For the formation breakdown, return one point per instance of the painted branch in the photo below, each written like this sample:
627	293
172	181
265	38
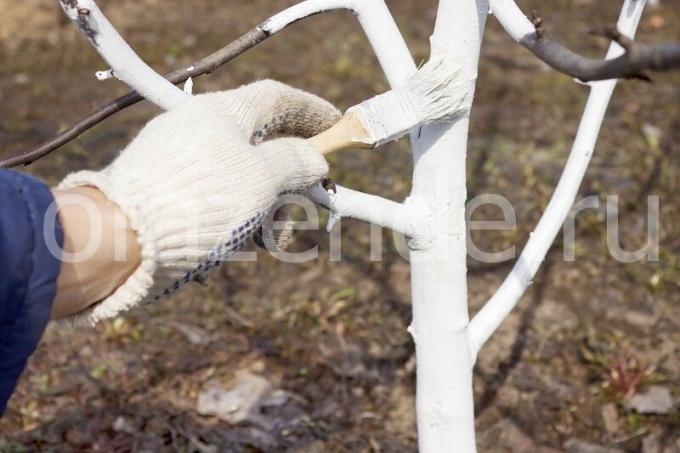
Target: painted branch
124	62
515	285
511	18
403	218
388	44
632	64
303	10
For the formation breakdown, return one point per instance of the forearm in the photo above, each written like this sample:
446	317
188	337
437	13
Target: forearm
100	250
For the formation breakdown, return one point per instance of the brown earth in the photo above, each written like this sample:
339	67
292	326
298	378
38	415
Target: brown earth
330	337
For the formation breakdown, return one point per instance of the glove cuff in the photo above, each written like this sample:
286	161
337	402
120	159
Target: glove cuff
139	284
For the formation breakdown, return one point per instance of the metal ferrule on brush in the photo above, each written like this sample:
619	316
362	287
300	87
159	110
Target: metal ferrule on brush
387	117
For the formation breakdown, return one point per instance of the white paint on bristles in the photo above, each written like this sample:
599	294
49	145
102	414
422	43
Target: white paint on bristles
438	92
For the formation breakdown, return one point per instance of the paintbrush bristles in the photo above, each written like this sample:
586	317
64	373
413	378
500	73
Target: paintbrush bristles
437	92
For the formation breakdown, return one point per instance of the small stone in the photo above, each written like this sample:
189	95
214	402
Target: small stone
610	417
506	434
233	408
656	400
22	78
508	396
195	335
121	424
640	319
574	445
237	403
554	316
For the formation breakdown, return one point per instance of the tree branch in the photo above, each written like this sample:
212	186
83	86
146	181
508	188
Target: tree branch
633	64
196	69
406	218
631	61
125	63
500	305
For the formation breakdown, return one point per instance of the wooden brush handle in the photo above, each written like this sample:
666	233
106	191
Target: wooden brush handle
347	133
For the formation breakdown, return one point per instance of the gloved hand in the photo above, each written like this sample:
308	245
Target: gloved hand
195	187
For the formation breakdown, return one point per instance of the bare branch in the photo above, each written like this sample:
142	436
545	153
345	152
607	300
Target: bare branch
633	64
537	22
613	33
196	69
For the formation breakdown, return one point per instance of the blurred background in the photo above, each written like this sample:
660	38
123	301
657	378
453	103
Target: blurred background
315	357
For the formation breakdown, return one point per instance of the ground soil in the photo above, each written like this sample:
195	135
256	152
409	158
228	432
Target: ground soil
330	335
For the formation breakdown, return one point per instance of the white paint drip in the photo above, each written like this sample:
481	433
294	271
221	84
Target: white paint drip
104	75
189	86
333	219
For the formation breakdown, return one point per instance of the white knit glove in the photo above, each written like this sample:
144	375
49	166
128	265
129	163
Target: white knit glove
195	187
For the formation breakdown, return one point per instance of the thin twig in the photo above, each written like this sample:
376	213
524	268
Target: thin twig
537	21
613	33
200	67
633	64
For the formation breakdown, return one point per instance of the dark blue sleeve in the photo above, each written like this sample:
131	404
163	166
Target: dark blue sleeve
28	272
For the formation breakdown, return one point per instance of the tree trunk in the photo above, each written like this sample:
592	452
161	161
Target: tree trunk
444	360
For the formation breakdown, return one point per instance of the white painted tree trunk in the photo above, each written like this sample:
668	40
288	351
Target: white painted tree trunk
444	361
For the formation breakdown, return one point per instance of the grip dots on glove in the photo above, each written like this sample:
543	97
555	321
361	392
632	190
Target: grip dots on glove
267	129
239	236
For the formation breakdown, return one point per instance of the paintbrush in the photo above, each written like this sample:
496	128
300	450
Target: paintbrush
435	93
